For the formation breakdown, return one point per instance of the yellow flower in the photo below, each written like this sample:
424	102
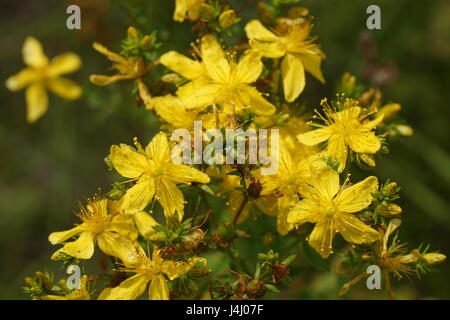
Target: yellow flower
129	68
149	271
343	129
189	9
218	79
298	50
42	74
113	233
331	208
77	294
155	175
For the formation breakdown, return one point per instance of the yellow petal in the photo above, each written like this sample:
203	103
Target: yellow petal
129	163
249	67
389	110
123	224
170	198
145	95
256	101
64	63
158	149
337	149
312	63
272	50
213	58
186	67
109	54
37	101
283	226
65	88
358	196
145	223
139	196
33	54
61	236
116	245
199	93
82	248
180	173
130	289
323	185
304	211
354	230
101	80
365	142
314	137
255	30
172	110
293	74
159	290
21	79
321	238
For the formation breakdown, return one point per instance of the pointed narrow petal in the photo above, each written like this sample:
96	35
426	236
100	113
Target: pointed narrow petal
37	101
102	80
181	173
313	137
61	236
64	63
337	149
358	196
159	290
114	57
139	196
170	198
272	50
293	74
186	67
175	269
321	238
130	289
312	65
354	230
65	88
21	79
33	54
127	162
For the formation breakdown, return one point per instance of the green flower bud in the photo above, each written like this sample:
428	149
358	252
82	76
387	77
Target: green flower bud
227	19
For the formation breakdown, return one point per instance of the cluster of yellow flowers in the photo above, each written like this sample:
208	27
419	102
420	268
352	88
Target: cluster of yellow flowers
224	87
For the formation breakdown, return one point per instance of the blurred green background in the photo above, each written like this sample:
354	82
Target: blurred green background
47	167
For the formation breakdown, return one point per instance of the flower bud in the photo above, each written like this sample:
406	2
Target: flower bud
433	258
199	272
132	32
227	19
389	211
265	13
207	12
405	130
226	231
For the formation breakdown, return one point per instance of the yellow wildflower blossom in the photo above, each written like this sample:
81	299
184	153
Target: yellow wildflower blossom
172	110
189	9
155	175
331	208
218	79
343	129
298	50
42	74
149	270
113	233
129	68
